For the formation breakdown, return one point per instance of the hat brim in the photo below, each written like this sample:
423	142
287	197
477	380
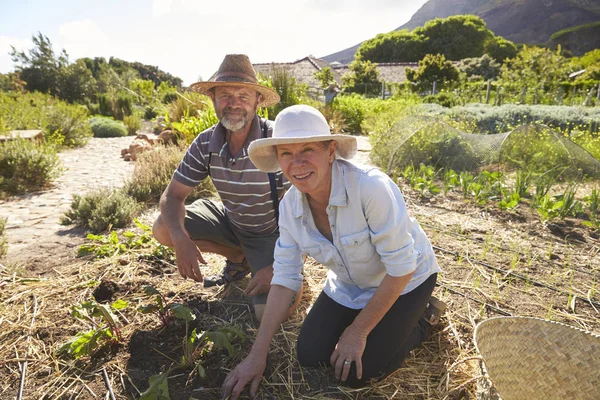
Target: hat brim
270	96
263	155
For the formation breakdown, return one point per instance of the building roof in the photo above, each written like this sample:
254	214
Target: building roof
303	70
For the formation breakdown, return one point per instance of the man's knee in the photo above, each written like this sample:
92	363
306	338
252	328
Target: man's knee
160	232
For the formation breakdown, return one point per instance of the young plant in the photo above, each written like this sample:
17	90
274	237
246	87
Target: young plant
548	208
522	183
511	202
569	205
451	180
105	328
161	307
466	179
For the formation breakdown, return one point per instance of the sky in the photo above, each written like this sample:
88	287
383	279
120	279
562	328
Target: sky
189	38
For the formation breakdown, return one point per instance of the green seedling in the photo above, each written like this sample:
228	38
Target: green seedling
548	208
451	180
105	328
511	202
161	307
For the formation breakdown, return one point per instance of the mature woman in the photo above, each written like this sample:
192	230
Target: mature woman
375	306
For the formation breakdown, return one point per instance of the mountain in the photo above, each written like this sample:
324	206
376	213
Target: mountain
520	21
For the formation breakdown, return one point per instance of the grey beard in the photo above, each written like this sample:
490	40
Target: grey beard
233	126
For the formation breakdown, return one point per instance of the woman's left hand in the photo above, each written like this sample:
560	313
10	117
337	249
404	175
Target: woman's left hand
349	349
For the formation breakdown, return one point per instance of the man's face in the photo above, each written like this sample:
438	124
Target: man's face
235	106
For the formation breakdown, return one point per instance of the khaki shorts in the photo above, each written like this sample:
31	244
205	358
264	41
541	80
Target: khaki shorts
206	220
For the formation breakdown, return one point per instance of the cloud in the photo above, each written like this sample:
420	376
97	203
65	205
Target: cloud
161	7
6	63
83	38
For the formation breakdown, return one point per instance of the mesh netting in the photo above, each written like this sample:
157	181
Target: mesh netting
533	148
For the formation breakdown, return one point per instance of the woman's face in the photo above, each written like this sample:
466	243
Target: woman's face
308	166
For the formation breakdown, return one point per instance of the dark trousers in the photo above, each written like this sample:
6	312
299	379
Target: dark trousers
399	331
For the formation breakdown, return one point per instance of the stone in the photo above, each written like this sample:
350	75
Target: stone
166	136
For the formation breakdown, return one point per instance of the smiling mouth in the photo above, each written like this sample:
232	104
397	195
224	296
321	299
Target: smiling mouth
302	176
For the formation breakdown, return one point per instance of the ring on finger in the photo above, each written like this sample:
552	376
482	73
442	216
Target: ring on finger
346	362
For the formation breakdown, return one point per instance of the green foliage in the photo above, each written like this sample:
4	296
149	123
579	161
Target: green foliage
3	237
548	207
455	37
146	72
479	68
105	328
153	172
395	46
26	165
61	123
290	91
444	99
363	78
101	210
76	83
421	179
188	104
116	104
578	39
500	49
510	202
107	127
40	68
158	388
325	77
161	307
433	68
144	89
132	123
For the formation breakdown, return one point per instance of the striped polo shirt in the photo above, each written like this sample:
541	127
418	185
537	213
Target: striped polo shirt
243	188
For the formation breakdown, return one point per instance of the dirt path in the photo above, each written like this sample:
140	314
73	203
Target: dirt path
33	219
34	232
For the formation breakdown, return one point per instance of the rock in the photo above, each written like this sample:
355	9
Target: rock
138	147
166	136
127	157
124	152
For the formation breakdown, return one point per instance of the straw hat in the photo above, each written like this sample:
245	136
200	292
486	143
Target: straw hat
236	70
297	124
535	359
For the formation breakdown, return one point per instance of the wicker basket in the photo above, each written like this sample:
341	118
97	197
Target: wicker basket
531	358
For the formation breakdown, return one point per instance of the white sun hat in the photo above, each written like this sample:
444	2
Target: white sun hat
298	124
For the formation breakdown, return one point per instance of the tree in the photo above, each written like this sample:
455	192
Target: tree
479	68
433	68
396	46
500	49
535	68
76	83
325	77
363	78
456	37
41	68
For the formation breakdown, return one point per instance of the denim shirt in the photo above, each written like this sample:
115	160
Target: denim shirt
372	236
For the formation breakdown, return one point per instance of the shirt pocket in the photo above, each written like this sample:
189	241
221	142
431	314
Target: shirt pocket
358	246
313	252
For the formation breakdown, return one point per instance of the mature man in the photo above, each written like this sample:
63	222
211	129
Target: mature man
244	227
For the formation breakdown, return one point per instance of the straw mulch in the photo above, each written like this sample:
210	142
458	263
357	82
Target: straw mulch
35	319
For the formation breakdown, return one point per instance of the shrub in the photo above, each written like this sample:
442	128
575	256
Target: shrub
101	210
132	123
107	127
153	171
189	104
26	165
66	124
444	99
3	238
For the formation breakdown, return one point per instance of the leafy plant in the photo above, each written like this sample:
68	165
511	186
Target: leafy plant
105	328
107	127
511	202
548	208
101	210
451	180
132	123
569	204
26	165
161	307
466	179
103	246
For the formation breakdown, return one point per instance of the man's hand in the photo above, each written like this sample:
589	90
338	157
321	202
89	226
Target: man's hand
260	282
249	370
187	256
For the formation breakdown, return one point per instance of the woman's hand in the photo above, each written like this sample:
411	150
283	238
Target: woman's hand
349	349
249	370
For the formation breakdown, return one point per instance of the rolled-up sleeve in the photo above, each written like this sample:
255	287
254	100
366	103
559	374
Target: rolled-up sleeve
385	211
287	267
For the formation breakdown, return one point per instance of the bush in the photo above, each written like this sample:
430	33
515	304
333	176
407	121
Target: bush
153	171
132	123
188	105
444	99
107	127
101	210
63	123
3	238
26	166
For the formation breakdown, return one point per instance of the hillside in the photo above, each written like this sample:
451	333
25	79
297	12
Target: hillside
520	21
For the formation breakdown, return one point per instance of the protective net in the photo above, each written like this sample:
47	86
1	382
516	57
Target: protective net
532	148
